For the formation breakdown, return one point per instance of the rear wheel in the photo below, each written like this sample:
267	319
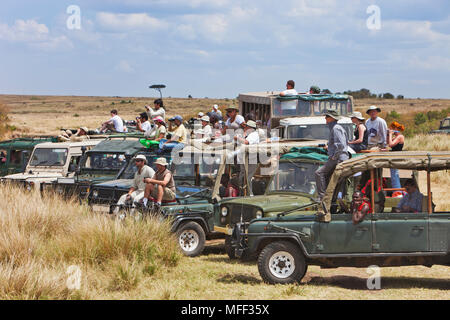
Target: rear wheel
191	239
281	262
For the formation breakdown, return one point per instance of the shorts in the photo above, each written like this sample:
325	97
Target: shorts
168	195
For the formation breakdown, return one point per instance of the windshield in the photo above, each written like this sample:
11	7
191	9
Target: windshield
295	107
104	161
294	176
446	123
49	157
315	131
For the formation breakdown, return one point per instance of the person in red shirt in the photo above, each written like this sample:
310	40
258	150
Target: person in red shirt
359	207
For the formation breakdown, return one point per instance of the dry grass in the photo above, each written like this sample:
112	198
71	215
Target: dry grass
428	142
41	237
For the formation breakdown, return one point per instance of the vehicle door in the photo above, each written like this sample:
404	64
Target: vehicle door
340	235
400	232
3	162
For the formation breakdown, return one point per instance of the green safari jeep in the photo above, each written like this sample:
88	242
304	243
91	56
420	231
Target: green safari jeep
287	243
14	154
444	127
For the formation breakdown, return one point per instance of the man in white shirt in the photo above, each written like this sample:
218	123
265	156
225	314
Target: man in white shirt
115	124
289	107
216	110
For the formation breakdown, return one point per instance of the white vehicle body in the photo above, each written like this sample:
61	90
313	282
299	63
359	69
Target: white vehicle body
311	128
50	161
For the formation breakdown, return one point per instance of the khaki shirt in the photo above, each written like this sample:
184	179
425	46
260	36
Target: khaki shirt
160	177
181	133
138	181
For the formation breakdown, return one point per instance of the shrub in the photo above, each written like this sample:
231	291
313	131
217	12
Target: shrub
420	118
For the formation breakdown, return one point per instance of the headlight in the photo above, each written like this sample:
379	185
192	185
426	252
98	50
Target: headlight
224	211
259	214
95	194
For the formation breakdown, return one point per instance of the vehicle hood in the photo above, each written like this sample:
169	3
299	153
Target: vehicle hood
34	175
120	183
271	203
95	178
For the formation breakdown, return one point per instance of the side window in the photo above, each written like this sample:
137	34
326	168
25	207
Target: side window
74	161
16	157
3	157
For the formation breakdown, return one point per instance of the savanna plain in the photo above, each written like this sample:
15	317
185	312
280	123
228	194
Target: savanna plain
42	237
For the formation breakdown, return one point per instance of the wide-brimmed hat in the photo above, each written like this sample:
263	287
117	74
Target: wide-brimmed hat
85	129
373	108
161	161
141	157
232	108
200	114
333	114
357	115
205	118
315	89
251	124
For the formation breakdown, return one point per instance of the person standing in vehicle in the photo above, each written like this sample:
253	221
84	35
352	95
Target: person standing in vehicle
396	141
158	111
137	190
376	128
289	107
142	123
337	152
234	122
361	135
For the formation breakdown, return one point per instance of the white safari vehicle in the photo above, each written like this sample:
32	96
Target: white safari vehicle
311	128
50	161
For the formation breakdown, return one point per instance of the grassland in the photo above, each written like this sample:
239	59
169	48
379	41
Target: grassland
40	238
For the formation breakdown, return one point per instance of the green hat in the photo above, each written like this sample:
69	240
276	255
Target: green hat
315	89
333	114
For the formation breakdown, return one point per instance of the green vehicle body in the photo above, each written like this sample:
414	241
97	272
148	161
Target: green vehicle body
102	163
444	127
286	244
16	153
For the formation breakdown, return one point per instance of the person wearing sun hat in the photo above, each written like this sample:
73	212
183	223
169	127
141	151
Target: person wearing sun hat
161	185
179	135
137	190
396	141
376	128
337	151
361	135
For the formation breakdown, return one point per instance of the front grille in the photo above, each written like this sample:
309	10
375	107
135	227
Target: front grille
106	195
248	213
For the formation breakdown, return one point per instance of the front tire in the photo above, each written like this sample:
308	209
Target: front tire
281	262
191	239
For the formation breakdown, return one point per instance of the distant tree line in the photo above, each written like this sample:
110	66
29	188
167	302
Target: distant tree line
366	94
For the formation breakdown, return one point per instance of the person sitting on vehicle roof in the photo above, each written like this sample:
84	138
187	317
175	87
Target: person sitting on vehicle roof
205	133
158	111
234	122
80	135
142	123
412	201
314	90
179	136
337	152
361	134
159	131
115	124
160	187
216	110
359	207
137	190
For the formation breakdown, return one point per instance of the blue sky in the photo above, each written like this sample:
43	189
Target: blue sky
220	48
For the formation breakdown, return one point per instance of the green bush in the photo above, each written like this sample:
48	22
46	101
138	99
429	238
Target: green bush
420	118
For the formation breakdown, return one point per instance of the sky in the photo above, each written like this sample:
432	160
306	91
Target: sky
220	48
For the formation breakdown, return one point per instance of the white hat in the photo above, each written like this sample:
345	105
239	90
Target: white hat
141	157
216	106
85	129
200	114
357	115
251	124
205	118
161	161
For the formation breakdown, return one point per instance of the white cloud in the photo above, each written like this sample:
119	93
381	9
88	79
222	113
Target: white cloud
130	22
34	34
124	66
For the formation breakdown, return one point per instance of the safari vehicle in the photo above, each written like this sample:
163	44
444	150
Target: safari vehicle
444	127
271	106
50	161
286	244
14	154
101	163
311	128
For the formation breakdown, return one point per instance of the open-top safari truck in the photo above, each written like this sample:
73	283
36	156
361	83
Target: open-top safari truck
287	243
444	127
